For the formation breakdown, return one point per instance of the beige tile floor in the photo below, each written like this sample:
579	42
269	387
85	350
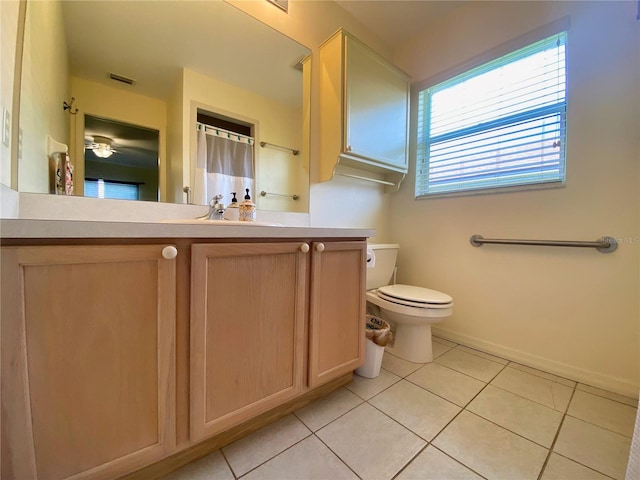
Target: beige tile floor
467	415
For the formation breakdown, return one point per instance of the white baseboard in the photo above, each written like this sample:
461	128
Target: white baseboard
613	384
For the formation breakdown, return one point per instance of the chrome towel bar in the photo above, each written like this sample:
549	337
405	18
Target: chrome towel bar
295	196
604	244
273	145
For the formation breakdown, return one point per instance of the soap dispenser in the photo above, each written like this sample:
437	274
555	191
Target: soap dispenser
233	210
247	209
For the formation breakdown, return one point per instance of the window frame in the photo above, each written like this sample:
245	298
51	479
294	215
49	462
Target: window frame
558	27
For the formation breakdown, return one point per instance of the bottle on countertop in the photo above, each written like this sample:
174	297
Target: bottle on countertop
233	210
247	209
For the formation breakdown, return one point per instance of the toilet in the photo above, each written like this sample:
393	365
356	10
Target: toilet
410	310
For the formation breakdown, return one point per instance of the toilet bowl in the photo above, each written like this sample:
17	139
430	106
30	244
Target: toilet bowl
410	310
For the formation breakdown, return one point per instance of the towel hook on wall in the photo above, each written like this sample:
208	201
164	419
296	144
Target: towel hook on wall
69	106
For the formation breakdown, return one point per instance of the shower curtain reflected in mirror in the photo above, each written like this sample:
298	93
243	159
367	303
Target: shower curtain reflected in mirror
224	164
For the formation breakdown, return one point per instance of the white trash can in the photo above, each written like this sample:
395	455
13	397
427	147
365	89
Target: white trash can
372	360
378	333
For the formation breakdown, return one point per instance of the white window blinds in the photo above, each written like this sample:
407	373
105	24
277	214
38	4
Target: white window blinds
501	124
106	189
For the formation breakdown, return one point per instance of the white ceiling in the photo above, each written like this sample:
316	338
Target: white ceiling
151	41
396	21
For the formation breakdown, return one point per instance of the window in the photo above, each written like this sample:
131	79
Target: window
107	189
501	124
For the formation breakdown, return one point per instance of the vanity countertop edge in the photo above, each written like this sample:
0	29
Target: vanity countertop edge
29	228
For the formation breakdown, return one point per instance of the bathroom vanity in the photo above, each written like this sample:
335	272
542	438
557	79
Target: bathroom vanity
133	348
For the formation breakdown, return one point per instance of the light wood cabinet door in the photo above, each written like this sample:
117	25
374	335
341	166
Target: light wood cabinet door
337	313
87	360
247	331
376	107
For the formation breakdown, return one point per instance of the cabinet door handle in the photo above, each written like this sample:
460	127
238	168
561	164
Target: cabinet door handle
170	252
304	248
320	247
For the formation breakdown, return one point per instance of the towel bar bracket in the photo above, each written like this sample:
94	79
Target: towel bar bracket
604	244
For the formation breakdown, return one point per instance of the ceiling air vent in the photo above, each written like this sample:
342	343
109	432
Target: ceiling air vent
120	78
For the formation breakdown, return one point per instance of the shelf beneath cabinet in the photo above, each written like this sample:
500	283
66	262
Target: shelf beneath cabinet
363	169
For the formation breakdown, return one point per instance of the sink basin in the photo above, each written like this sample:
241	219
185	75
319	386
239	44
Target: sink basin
234	223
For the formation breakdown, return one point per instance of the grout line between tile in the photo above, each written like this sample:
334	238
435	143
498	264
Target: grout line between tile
509	430
476	352
502	367
440	396
337	456
466	374
605	397
458	461
599	426
534	401
462	409
534	370
396	421
555	438
378	393
228	464
585	466
409	462
272	457
340	416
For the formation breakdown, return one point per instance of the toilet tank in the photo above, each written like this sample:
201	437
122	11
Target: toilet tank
385	261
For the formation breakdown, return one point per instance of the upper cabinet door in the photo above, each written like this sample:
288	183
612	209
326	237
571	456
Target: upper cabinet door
87	360
337	315
376	107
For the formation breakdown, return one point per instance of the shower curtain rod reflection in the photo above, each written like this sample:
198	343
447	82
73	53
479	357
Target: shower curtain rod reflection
273	145
221	132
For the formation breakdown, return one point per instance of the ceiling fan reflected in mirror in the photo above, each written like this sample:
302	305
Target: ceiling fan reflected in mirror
101	146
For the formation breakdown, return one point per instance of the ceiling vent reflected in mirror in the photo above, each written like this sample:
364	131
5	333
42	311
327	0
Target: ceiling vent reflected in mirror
121	79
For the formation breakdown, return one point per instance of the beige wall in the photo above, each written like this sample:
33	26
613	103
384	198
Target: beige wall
44	87
111	103
570	311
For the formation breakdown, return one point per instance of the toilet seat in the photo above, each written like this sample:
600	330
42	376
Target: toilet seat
413	296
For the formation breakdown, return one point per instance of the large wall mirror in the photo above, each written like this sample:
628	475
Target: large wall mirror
154	66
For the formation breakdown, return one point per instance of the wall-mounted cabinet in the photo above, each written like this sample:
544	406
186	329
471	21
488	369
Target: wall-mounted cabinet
364	113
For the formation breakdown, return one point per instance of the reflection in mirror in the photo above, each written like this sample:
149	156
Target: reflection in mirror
120	160
155	64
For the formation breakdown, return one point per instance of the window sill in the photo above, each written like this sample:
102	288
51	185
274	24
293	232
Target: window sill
492	191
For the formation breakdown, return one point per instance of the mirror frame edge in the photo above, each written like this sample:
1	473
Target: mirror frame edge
16	94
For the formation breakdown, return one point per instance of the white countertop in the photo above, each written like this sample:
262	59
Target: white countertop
25	229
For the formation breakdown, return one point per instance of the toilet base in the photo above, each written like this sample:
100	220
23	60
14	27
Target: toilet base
412	343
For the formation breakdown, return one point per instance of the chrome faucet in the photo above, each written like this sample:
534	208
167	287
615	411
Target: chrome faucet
216	209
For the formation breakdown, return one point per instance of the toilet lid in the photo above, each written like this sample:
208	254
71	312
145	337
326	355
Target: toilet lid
414	296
